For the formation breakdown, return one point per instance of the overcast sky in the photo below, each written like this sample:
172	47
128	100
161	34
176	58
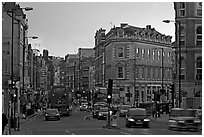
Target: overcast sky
63	27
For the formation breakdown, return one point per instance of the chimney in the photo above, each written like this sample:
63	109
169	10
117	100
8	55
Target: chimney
148	26
123	24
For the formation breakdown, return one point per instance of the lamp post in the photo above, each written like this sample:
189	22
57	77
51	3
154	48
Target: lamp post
179	48
12	10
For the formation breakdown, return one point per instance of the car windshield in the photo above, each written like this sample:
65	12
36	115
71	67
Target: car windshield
184	113
104	109
137	112
52	111
125	107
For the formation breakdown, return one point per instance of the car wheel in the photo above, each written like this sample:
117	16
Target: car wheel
45	119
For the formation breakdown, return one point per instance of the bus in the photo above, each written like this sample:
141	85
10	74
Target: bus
60	97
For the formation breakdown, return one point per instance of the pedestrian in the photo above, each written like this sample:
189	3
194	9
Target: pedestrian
4	122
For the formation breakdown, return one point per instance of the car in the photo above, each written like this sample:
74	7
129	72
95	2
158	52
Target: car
103	113
180	118
52	114
96	108
83	107
137	117
123	110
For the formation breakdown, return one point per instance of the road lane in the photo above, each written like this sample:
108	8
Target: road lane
76	125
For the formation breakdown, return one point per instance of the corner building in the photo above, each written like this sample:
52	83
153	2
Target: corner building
133	59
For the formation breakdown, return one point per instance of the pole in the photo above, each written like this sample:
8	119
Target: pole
134	70
12	33
179	76
162	77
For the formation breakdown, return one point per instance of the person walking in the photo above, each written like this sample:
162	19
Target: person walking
4	122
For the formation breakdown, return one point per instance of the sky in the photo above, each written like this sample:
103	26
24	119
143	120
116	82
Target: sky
64	27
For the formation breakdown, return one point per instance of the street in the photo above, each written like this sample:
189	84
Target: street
77	125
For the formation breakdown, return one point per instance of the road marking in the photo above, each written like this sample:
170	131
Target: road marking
69	132
125	133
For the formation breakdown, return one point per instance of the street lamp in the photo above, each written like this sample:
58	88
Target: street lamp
12	10
179	46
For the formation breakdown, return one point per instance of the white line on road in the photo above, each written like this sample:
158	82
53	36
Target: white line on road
125	133
69	132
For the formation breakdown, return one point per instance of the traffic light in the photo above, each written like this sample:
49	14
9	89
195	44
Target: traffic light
172	88
109	91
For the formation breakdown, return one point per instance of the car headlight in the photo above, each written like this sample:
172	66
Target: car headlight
173	121
100	114
197	121
130	119
46	114
181	121
146	119
57	114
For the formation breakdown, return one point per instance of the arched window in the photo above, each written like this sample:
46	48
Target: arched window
199	68
199	36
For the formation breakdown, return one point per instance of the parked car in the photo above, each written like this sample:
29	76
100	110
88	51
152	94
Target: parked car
137	117
180	118
52	114
123	110
83	107
103	113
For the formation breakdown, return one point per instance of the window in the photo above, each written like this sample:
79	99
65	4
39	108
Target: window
143	53
199	68
159	73
198	8
183	35
182	10
143	72
120	52
148	72
154	73
159	55
148	53
199	36
120	72
137	72
137	53
183	68
153	54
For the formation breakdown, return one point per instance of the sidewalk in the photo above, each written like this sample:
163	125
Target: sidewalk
22	131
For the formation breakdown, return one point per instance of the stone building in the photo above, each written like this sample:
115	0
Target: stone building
133	59
188	16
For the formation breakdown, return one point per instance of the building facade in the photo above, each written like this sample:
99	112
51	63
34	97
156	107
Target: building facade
188	16
133	59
